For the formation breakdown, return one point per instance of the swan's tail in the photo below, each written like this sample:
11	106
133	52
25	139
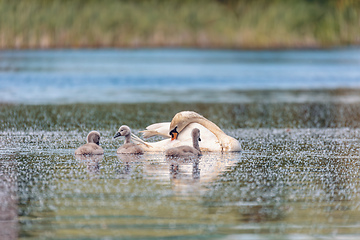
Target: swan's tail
138	140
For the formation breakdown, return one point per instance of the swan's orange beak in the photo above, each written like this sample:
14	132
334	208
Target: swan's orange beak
174	136
174	133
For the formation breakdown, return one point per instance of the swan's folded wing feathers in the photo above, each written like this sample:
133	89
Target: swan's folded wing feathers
155	126
138	140
157	129
150	133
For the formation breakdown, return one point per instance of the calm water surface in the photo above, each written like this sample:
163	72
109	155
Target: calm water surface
287	184
297	178
158	75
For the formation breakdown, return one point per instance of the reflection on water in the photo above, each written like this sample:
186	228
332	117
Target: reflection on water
92	162
287	184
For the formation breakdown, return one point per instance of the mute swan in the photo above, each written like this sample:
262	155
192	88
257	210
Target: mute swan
128	147
187	151
92	146
178	133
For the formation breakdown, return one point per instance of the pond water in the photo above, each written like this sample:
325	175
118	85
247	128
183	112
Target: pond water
287	184
163	75
296	114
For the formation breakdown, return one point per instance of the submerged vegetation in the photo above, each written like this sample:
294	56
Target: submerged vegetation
177	23
228	116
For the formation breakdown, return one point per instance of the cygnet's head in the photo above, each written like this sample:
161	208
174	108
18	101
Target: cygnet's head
195	134
93	137
123	131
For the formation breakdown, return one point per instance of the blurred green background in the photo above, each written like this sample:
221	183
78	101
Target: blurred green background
246	24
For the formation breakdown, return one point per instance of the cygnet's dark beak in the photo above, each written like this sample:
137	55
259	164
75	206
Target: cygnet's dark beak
118	134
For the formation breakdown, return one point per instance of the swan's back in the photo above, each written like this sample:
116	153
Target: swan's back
130	148
89	149
182	151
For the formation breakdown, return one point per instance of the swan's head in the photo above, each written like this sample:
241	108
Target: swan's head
93	137
174	133
123	131
181	120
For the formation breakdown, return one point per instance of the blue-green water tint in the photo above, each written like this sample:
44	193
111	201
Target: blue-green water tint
287	184
297	178
185	75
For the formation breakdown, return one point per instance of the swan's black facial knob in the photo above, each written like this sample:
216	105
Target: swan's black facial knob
174	133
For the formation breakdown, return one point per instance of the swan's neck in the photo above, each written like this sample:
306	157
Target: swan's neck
196	143
128	138
212	127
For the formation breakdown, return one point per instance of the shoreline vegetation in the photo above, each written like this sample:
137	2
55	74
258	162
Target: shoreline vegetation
237	24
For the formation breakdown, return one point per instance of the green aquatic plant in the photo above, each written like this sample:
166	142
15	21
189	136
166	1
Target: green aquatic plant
107	117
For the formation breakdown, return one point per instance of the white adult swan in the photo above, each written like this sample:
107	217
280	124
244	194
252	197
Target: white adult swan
92	146
178	133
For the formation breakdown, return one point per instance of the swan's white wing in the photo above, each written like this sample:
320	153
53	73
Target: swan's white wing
157	129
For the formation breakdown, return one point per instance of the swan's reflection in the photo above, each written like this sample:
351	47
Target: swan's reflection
184	175
189	176
92	162
177	172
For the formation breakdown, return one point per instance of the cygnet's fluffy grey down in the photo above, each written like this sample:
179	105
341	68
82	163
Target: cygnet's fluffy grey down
92	146
187	151
128	147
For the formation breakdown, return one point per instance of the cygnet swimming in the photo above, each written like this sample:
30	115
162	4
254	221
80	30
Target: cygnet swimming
128	147
92	146
187	151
